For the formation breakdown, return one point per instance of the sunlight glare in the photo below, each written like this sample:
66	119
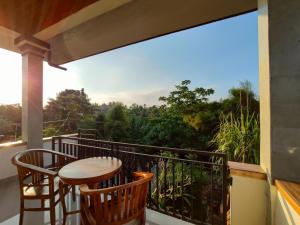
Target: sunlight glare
11	77
54	80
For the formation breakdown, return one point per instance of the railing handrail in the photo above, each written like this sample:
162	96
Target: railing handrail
148	155
174	150
175	175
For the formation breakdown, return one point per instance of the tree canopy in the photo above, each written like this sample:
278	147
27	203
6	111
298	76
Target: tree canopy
187	118
69	105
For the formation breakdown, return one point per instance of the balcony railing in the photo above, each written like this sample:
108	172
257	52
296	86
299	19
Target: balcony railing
188	184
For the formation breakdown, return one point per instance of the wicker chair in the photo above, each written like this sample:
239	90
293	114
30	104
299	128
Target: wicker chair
38	178
116	205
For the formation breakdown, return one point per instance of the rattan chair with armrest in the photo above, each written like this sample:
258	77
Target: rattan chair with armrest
116	205
38	178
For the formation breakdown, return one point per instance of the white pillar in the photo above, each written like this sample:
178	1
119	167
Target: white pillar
33	52
279	81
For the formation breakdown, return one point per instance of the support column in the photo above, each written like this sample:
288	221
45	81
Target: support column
279	80
33	52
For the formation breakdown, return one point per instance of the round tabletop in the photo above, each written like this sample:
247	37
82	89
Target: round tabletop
90	170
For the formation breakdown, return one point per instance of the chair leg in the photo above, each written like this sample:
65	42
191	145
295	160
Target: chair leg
52	211
62	200
21	212
143	218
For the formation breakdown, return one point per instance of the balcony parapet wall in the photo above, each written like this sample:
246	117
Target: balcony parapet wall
254	200
7	150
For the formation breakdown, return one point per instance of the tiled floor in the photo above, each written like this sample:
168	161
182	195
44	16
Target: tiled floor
9	210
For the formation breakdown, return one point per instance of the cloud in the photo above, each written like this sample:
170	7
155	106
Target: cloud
148	97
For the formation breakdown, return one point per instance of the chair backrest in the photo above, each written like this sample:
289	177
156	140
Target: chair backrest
115	205
34	164
27	163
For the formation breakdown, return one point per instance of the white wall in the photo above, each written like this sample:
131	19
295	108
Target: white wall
248	202
7	169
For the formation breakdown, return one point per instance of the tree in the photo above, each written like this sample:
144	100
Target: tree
10	122
117	123
69	105
238	129
87	122
170	130
191	104
11	113
241	98
100	125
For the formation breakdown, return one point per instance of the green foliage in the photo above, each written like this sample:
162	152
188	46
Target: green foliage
240	99
69	105
10	122
87	122
176	181
169	130
50	132
238	137
117	123
11	113
185	100
100	124
191	104
185	120
238	133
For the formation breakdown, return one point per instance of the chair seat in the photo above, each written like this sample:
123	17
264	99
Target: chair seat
42	189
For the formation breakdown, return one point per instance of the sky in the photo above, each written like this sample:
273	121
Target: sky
217	55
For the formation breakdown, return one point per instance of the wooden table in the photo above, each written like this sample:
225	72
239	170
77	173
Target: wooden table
86	171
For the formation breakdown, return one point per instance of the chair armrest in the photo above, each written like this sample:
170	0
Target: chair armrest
37	169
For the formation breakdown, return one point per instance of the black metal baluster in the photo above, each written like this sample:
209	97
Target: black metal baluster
173	185
150	186
211	194
76	150
225	189
59	144
53	144
157	184
182	190
72	150
136	157
165	183
192	199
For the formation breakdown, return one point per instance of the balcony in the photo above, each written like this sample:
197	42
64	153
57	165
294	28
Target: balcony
249	185
186	189
9	208
263	194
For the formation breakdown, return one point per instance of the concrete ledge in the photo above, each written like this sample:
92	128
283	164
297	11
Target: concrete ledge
290	192
12	144
247	170
20	143
7	150
64	135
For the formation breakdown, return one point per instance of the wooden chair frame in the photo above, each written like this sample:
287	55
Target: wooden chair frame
115	205
34	175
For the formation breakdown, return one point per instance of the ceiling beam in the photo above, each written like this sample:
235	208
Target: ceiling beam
140	20
93	10
7	39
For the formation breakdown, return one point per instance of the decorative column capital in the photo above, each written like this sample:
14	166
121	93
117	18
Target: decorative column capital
31	45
